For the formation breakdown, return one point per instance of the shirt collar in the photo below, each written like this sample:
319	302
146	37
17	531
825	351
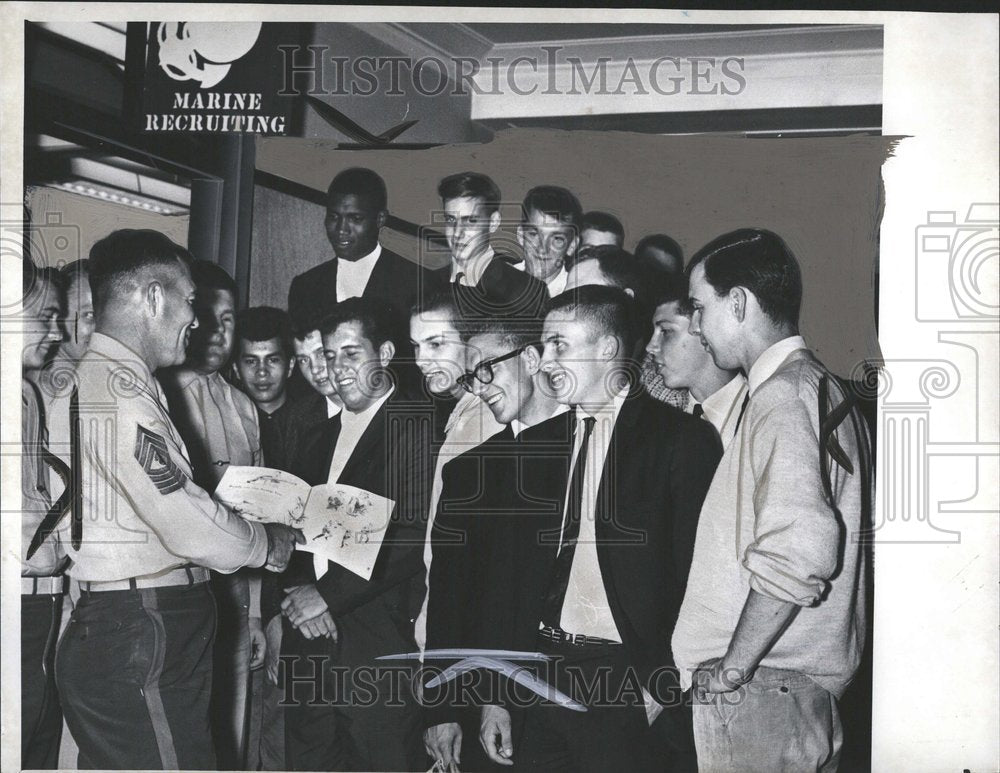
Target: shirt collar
365	416
615	406
474	268
332	408
362	264
103	345
770	360
718	405
557	282
517	426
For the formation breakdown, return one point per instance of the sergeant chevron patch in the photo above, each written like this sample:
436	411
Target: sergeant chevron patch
151	452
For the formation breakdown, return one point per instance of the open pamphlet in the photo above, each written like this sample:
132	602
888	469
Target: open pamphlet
341	523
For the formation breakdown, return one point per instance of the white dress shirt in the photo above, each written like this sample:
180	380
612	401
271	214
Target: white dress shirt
770	360
555	283
722	408
353	275
585	608
352	427
332	408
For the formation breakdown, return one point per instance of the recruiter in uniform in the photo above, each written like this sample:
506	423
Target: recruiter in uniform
134	666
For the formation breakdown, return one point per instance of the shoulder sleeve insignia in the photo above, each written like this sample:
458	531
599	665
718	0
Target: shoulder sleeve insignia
152	453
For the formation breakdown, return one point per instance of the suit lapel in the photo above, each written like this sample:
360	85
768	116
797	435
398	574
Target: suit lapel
366	451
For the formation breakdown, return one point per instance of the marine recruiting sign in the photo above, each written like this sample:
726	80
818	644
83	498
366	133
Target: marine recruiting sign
210	77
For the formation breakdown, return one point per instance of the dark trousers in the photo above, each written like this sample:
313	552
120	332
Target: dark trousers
343	709
613	734
134	670
41	717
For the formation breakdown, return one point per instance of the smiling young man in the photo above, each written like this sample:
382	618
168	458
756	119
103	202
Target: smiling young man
483	528
773	623
471	208
640	470
338	622
356	212
683	363
549	234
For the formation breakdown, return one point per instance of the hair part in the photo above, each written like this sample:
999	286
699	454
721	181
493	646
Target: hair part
759	261
472	185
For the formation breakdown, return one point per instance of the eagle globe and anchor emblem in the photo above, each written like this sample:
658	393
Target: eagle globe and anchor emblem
204	51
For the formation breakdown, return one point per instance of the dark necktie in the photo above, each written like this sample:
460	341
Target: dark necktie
459	277
697	411
571	532
746	401
71	500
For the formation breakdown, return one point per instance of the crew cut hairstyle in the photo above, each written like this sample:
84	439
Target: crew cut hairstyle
673	288
118	261
207	275
361	182
553	201
373	316
471	185
608	309
660	242
760	261
511	332
262	323
603	221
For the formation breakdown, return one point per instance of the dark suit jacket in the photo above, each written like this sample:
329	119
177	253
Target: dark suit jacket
658	469
502	290
392	459
394	279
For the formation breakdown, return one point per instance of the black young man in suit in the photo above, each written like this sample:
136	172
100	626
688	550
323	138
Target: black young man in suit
365	719
621	558
356	211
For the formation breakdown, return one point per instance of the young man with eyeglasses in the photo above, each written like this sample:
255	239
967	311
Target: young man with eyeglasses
491	497
620	552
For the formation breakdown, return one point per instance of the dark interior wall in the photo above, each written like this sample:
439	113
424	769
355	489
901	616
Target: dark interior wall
822	195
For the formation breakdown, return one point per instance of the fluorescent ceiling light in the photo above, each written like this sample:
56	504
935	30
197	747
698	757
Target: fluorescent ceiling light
95	190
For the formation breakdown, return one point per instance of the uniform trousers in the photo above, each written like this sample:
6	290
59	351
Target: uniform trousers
41	717
134	670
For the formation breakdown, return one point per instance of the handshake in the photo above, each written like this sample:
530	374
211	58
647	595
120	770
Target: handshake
281	541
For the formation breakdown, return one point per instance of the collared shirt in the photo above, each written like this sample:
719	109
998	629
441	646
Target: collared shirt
473	270
352	427
722	408
585	608
218	422
517	426
332	408
37	493
766	525
770	360
555	283
142	513
470	424
353	275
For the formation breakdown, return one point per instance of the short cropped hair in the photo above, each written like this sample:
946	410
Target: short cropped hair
471	185
660	242
760	261
510	332
608	309
361	182
262	323
119	259
555	202
373	316
603	221
617	265
75	271
673	288
207	275
441	302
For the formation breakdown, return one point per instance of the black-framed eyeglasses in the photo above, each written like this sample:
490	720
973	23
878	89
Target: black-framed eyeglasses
483	372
